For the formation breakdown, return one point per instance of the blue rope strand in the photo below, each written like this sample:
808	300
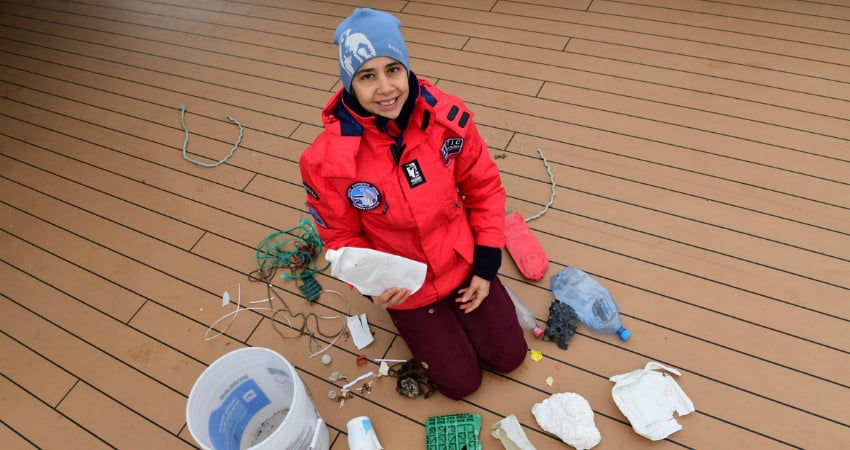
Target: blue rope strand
186	141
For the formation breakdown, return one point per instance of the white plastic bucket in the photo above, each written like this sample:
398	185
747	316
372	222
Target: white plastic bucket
252	398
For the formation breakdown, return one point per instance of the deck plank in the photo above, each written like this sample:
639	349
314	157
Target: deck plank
728	204
12	439
628	133
674	37
738	18
114	423
36	425
32	373
139	394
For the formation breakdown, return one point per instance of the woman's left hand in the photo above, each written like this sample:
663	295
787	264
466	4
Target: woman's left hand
472	296
392	297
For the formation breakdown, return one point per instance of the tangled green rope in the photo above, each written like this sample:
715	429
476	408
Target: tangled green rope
295	249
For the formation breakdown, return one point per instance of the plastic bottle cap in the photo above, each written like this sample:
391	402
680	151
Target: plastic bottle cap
326	359
624	334
538	332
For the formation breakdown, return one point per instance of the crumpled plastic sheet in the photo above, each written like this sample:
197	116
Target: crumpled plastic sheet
648	398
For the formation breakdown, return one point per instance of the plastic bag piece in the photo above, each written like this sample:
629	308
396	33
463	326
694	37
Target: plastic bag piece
648	398
524	248
509	432
525	316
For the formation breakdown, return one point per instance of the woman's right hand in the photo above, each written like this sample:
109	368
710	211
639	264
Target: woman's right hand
392	297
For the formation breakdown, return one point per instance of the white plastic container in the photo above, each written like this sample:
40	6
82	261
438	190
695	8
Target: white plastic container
372	272
252	398
361	435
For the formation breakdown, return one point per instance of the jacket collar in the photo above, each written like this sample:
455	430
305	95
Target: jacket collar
342	121
354	119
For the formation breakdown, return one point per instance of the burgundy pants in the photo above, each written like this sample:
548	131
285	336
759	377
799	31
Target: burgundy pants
453	346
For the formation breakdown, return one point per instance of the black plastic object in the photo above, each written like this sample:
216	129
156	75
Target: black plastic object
561	324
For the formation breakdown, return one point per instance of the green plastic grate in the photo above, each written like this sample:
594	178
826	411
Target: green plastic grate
453	432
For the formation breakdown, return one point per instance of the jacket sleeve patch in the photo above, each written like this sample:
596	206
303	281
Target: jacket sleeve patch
451	147
310	191
316	217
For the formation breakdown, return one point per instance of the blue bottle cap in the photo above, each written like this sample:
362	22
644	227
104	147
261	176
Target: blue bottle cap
624	334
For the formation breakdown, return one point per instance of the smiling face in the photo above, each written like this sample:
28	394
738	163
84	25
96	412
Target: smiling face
380	85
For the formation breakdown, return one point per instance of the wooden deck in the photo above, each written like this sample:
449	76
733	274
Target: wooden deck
701	151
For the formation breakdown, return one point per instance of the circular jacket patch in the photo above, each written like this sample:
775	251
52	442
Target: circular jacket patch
364	196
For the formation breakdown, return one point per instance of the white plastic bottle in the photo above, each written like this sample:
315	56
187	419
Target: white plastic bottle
525	316
372	271
592	303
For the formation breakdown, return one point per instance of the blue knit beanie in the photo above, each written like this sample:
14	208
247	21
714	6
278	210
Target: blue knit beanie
366	34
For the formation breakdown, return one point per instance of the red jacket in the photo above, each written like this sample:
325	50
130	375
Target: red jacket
442	197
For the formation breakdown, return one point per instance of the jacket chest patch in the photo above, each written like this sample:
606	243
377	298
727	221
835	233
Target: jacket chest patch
451	147
413	173
364	196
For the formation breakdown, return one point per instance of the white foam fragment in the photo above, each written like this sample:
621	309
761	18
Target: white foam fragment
568	416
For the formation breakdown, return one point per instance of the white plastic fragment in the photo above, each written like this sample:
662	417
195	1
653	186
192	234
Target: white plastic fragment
509	432
648	398
358	379
384	369
568	416
225	299
360	332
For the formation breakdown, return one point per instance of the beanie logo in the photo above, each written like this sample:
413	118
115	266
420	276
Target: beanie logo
354	46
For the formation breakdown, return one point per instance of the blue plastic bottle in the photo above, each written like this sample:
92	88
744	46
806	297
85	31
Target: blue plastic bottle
592	303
